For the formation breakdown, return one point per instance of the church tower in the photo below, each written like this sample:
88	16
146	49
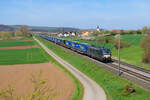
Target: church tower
97	29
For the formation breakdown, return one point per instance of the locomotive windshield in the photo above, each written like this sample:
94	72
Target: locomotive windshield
106	52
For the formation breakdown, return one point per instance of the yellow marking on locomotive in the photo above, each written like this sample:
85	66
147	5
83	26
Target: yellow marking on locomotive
81	47
73	44
67	43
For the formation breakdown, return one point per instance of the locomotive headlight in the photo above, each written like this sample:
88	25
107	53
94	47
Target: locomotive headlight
106	56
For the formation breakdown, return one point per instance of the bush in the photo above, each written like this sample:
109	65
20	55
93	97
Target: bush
123	44
18	33
146	56
5	35
107	40
128	90
145	44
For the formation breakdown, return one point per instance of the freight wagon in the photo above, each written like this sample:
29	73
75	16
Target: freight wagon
99	53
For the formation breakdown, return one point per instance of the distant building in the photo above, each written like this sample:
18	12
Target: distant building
66	34
60	34
86	32
73	33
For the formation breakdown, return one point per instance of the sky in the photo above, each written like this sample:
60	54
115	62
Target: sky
108	14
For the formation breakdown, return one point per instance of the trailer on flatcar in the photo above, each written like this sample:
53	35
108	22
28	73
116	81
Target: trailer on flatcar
99	53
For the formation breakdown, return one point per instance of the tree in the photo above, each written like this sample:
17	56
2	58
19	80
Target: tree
4	35
105	31
132	32
148	31
112	32
144	30
97	33
18	33
0	35
145	44
138	32
25	31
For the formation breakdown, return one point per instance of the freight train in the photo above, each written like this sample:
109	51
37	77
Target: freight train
99	53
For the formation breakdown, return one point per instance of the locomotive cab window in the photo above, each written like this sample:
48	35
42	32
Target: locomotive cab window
106	52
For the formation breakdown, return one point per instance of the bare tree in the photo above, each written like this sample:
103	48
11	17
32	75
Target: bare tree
4	35
144	30
145	44
25	30
18	33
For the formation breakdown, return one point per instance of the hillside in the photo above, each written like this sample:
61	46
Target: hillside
37	28
6	28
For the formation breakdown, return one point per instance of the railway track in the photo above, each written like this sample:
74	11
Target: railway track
133	66
133	73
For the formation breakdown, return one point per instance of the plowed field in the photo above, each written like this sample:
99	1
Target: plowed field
19	77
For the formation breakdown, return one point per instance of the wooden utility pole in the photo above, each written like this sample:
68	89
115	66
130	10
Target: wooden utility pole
119	73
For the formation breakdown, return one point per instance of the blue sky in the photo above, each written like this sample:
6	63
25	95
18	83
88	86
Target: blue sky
109	14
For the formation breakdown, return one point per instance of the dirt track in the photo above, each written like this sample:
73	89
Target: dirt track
18	47
19	76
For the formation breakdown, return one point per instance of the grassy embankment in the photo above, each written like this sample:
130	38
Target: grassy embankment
132	55
112	84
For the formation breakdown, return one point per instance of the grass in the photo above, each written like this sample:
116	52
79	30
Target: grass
23	56
133	39
15	43
26	38
78	92
15	39
133	54
20	56
112	84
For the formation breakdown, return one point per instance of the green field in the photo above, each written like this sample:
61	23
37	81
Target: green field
16	43
21	56
132	55
133	39
112	84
